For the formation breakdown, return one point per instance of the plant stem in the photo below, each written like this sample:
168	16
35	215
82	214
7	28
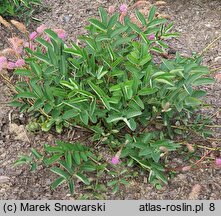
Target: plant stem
214	139
100	164
214	113
215	69
7	81
176	169
209	45
202	158
200	146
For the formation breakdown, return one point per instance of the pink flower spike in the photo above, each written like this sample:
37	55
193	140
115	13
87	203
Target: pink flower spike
3	62
115	160
123	8
218	161
47	38
41	29
33	35
151	37
16	44
19	63
3	59
30	46
111	9
61	33
11	65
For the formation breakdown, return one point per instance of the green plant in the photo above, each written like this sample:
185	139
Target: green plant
117	83
113	82
21	9
70	162
146	150
121	178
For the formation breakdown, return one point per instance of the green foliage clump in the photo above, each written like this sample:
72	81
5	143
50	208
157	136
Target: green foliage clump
118	82
73	158
21	9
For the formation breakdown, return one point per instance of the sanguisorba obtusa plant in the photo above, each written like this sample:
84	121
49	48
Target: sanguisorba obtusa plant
22	9
117	82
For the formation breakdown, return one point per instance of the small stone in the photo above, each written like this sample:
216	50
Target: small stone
66	18
145	180
218	77
1	170
4	179
218	59
160	3
48	182
208	25
214	145
19	131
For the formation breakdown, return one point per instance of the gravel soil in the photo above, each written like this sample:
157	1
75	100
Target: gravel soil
199	22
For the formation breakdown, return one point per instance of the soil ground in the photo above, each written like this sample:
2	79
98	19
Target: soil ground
199	22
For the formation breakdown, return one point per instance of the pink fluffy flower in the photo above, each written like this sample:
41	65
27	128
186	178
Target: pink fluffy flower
3	62
111	9
121	18
115	160
47	38
30	46
19	63
61	33
33	35
218	161
151	37
41	29
17	44
123	8
3	59
11	65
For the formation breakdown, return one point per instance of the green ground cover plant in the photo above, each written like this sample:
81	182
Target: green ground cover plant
18	8
118	85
